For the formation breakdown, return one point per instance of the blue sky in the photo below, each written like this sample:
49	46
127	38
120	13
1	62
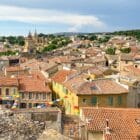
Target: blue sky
17	17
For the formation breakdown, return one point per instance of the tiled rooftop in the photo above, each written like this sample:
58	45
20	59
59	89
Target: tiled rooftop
35	82
132	70
14	68
122	122
101	86
62	75
77	83
7	81
31	84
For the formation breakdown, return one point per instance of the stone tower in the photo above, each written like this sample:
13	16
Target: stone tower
30	46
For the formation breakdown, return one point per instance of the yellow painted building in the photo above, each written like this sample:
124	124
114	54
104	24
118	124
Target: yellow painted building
99	93
9	93
68	99
8	90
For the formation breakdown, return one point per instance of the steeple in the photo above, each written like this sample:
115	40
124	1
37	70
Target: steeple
35	34
29	35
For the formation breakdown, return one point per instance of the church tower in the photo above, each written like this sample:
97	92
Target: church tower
30	46
35	37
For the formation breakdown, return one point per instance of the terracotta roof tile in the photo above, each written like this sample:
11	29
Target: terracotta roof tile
122	122
34	64
28	84
132	70
101	86
7	81
14	68
77	83
61	75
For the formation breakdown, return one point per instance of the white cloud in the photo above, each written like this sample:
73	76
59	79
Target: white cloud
28	15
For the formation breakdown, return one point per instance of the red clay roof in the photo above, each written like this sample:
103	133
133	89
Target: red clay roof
14	68
122	122
7	81
77	83
32	84
132	70
34	64
101	86
61	75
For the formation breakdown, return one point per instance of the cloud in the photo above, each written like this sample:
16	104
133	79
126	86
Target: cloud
42	16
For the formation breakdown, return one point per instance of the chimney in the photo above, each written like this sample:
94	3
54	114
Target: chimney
107	129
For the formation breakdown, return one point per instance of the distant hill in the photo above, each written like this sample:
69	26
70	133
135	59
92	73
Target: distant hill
134	33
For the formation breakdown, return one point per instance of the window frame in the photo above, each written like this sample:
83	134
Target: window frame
7	92
110	100
94	100
119	100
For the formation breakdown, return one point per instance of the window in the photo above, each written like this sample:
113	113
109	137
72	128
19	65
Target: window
65	90
23	95
0	91
30	105
37	96
7	91
110	100
94	100
119	100
30	95
40	95
44	95
14	91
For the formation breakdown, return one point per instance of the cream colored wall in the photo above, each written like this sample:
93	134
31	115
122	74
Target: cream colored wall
95	136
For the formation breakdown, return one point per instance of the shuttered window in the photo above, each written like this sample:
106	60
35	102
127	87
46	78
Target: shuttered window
94	100
119	100
65	90
7	91
110	100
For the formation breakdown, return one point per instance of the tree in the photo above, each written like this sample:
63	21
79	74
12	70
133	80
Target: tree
125	50
104	40
111	51
93	37
6	46
2	39
50	47
20	41
12	40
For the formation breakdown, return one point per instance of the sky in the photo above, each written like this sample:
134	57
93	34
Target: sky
18	17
